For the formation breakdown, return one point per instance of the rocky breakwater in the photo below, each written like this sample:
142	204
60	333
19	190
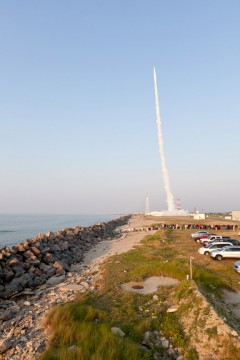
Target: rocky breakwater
45	257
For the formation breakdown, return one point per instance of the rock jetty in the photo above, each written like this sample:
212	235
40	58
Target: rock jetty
48	256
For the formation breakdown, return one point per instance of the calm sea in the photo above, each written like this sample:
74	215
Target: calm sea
16	228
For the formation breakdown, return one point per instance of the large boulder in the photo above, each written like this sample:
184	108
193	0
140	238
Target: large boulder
29	255
13	288
48	258
5	344
35	250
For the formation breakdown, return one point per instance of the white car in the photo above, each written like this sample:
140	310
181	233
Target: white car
210	238
226	252
236	266
214	238
213	246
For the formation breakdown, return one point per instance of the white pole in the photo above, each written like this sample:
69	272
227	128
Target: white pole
190	264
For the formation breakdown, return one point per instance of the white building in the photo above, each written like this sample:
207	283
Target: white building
236	215
228	217
199	216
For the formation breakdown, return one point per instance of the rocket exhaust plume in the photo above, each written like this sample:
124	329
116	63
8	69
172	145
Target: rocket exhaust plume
170	199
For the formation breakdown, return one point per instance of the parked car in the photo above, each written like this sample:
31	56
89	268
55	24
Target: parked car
203	236
213	237
233	241
236	266
223	239
226	252
198	233
213	246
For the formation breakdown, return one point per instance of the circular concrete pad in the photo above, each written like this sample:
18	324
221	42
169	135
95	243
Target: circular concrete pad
149	285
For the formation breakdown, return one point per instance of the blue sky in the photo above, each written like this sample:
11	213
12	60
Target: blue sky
77	112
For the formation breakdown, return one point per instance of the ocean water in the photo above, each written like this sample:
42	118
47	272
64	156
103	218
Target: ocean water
16	228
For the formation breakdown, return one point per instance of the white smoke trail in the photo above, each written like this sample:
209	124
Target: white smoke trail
170	199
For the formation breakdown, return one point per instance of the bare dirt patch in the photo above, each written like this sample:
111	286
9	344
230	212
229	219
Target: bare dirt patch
149	285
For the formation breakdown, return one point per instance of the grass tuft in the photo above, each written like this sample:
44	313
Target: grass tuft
81	332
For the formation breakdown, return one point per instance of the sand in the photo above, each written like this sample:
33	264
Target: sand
97	255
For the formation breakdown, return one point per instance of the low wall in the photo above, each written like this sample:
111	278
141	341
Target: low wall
32	262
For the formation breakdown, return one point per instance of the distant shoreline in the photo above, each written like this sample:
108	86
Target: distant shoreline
17	228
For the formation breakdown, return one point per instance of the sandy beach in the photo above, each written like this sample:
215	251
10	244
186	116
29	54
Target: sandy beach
126	242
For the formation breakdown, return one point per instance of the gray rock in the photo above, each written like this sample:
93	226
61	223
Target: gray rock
48	258
165	344
35	250
5	344
55	280
13	288
29	255
51	272
20	248
72	348
19	271
172	309
85	284
7	315
45	250
39	280
27	303
60	272
146	335
23	339
8	275
64	245
44	267
50	234
14	262
71	287
39	236
117	331
26	280
59	265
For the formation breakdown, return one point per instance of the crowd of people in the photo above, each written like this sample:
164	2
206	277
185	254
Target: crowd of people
212	227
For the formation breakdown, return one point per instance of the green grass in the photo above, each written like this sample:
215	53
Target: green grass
82	331
210	281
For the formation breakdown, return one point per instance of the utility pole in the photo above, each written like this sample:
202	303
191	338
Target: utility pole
190	265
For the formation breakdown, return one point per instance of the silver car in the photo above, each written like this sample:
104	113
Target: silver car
236	266
226	252
213	246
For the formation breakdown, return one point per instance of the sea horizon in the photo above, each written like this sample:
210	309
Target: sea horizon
15	228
